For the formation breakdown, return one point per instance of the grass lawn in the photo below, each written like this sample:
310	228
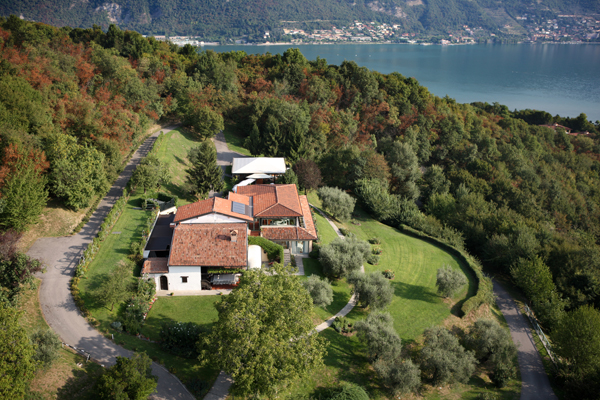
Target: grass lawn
234	140
415	307
173	152
326	232
178	309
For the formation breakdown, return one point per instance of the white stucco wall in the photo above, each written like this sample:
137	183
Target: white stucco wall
213	218
174	278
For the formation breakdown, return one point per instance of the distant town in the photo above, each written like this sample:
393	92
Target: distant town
531	28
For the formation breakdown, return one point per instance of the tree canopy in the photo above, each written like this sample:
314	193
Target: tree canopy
263	335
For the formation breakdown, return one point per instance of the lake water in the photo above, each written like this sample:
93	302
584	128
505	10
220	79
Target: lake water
560	79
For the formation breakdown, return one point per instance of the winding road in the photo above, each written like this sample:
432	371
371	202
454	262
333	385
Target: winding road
60	256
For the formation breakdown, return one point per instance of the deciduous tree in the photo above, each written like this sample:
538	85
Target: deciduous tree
114	287
263	337
308	173
130	378
16	355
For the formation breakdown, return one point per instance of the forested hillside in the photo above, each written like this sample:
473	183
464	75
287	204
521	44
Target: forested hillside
218	20
523	198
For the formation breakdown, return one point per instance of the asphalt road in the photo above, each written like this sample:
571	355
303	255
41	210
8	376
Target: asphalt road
60	256
535	383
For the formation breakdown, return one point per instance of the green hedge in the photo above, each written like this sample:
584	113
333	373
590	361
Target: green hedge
485	289
273	250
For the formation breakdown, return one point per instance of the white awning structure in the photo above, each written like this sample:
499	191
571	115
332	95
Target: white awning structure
254	257
243	183
258	165
260	176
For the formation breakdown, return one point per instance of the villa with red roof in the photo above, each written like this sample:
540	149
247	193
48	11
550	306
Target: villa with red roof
210	236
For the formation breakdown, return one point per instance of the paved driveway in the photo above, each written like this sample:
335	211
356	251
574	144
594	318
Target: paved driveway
535	382
60	256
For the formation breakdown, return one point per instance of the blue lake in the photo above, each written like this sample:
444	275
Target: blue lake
560	79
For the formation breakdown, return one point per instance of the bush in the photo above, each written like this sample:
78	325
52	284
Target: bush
180	338
449	281
116	326
342	325
373	289
273	250
377	250
375	240
135	313
389	274
320	290
444	359
349	391
146	287
47	344
339	203
341	257
345	232
314	253
372	259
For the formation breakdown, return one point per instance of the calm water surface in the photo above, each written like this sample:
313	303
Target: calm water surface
559	79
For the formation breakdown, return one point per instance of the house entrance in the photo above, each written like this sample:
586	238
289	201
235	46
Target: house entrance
164	283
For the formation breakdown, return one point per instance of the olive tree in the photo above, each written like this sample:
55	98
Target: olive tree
444	359
449	281
343	256
339	203
320	290
373	289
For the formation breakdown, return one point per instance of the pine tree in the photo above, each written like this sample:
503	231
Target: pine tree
204	175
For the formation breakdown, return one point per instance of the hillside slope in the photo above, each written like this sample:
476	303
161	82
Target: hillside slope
217	19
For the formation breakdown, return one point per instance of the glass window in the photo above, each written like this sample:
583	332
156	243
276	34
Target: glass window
184	279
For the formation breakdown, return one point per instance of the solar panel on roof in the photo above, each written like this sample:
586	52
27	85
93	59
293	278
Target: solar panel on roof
238	207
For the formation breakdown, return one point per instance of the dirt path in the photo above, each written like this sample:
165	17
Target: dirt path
60	256
535	383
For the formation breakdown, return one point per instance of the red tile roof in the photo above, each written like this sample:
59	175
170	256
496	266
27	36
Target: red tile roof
273	200
286	233
239	198
307	216
155	265
209	245
294	232
203	207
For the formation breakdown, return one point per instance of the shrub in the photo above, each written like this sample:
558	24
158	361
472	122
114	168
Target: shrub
373	289
375	240
47	344
116	326
135	312
273	250
444	359
320	290
146	287
449	281
339	203
131	378
341	257
342	325
345	231
377	250
372	259
389	274
314	253
180	338
349	391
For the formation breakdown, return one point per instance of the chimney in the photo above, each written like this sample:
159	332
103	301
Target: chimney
233	234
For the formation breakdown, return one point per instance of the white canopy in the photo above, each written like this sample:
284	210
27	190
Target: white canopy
254	256
258	165
260	176
243	183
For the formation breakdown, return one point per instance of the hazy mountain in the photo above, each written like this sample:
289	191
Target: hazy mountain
218	19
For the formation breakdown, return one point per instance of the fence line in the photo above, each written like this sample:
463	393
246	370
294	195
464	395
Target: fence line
540	333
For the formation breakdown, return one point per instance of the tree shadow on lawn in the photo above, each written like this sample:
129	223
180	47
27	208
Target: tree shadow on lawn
415	292
81	384
181	160
152	326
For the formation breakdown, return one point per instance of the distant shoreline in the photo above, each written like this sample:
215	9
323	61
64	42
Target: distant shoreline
390	43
